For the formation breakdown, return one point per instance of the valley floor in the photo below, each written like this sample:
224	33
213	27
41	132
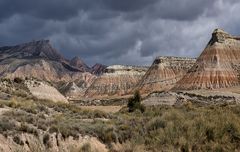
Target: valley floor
38	125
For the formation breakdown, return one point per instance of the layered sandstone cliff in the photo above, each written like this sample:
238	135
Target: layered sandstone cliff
164	73
217	67
117	81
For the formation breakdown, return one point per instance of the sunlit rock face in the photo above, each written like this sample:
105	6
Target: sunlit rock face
164	73
117	81
217	67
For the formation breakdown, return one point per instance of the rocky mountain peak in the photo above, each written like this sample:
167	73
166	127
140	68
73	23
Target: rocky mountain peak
217	66
78	63
220	36
33	49
98	69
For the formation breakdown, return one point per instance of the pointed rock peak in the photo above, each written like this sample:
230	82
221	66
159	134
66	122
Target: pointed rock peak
220	36
78	63
34	49
98	69
218	30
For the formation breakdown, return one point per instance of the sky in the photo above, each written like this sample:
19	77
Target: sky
130	32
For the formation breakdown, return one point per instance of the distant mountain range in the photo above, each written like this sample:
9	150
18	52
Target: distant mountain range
40	60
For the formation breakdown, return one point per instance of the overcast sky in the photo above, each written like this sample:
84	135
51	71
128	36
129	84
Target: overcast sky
118	31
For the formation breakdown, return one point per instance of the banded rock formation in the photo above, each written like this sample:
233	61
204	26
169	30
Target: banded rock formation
164	73
117	81
217	67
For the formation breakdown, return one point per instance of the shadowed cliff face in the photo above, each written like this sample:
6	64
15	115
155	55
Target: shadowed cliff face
35	49
218	65
98	69
79	64
164	73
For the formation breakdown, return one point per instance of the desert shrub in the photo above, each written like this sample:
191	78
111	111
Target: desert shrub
18	80
188	127
233	132
134	103
6	124
46	140
53	129
85	148
17	140
155	124
27	129
42	124
210	134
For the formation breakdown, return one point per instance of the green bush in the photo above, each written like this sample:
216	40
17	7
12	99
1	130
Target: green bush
134	103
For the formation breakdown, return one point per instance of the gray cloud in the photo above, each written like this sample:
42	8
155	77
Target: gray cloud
115	32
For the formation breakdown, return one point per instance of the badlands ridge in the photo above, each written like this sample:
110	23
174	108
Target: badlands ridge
216	69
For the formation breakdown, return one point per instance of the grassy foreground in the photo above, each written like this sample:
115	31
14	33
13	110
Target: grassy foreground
162	128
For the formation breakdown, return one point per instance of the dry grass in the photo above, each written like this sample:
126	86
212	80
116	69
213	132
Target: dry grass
161	128
107	109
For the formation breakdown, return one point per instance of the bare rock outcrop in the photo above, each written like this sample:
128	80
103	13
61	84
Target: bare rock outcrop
98	69
74	90
164	73
217	67
53	143
117	81
42	90
79	64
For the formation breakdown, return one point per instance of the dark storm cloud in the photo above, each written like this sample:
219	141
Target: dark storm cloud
47	9
118	31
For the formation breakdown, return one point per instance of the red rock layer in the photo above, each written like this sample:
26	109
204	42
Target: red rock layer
217	66
118	81
164	73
